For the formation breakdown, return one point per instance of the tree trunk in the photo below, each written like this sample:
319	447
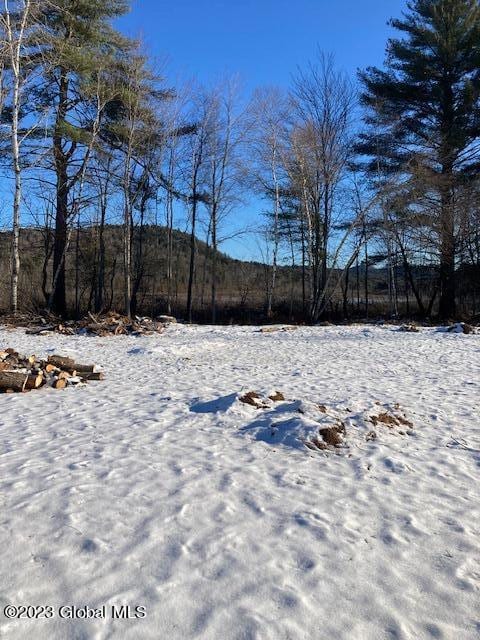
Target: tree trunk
139	256
77	271
100	290
447	305
17	198
447	226
205	264
169	212
193	248
127	240
100	287
214	266
58	297
304	274
366	280
15	45
345	293
273	281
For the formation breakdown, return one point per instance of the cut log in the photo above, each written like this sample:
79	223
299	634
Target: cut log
40	331
60	383
95	327
33	382
13	380
62	362
95	375
84	368
25	361
51	368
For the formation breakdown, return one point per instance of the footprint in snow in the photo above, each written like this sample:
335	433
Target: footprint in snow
394	466
136	351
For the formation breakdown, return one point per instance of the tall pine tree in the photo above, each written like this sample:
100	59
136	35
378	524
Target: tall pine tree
80	46
424	112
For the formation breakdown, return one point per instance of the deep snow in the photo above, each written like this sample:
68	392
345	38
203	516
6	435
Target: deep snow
159	488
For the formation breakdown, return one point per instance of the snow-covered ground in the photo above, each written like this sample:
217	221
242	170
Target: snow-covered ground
159	488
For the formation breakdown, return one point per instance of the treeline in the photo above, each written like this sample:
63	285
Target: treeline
241	285
352	180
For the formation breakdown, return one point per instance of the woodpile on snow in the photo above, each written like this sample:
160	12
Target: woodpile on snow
19	373
110	324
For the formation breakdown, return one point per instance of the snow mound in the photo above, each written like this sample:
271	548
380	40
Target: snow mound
303	424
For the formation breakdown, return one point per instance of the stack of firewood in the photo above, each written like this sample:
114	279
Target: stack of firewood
111	324
20	373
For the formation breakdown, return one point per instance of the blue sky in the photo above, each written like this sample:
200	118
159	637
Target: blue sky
263	41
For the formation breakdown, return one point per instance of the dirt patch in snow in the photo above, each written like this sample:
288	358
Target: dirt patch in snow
390	420
333	435
254	400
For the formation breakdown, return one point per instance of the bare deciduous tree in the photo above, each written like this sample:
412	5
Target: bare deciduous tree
15	24
323	100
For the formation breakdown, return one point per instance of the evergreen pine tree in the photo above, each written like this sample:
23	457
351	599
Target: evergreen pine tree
424	112
80	44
